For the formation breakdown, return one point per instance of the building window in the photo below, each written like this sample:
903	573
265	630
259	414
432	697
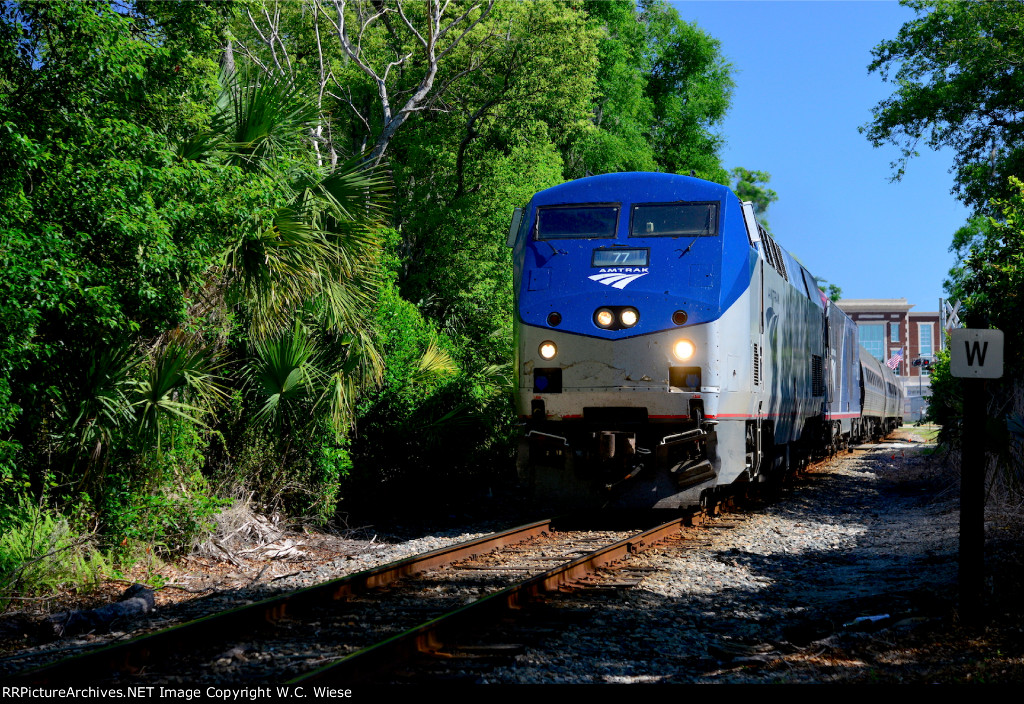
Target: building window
872	336
924	339
894	332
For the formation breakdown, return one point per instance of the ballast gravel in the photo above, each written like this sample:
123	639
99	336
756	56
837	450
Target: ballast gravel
864	543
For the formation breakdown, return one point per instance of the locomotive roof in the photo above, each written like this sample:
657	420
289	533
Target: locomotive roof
656	187
633	187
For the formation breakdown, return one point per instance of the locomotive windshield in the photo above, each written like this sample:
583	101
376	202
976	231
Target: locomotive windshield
675	220
578	221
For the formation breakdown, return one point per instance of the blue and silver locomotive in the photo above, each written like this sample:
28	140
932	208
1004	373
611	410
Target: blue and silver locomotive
667	346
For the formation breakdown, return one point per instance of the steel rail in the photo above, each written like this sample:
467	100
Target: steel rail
132	655
432	636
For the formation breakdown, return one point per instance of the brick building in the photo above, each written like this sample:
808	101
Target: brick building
888	325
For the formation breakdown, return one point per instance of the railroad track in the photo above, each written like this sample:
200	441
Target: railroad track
354	628
348	628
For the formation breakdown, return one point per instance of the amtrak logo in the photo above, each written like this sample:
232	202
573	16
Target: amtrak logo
619	278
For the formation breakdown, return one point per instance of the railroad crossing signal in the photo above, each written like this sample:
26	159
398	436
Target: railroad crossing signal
977	354
948	320
952	320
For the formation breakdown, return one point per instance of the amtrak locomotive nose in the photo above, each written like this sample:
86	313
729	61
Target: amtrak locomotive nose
665	344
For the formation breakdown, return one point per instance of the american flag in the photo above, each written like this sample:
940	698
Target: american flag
895	361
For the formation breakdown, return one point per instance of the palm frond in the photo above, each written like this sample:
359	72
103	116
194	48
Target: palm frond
435	362
263	119
278	268
94	406
499	375
346	300
361	368
357	191
339	396
282	372
200	147
183	367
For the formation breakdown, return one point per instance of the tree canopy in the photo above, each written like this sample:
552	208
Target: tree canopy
959	75
958	72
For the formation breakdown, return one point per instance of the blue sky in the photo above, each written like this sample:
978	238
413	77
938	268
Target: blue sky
802	90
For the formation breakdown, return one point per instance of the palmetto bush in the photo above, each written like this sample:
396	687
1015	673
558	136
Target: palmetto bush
181	379
92	406
117	396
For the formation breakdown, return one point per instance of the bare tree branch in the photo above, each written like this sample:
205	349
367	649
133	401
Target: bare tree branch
427	39
424	40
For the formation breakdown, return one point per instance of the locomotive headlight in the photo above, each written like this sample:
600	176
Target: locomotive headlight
604	318
629	317
683	350
547	349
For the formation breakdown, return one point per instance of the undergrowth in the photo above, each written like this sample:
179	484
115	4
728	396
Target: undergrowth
42	552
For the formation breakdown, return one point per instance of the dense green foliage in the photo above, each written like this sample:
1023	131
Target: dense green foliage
989	281
259	247
662	86
959	74
105	232
163	229
990	277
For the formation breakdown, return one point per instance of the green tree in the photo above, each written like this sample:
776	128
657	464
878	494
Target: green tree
989	281
303	279
958	70
959	73
663	88
155	219
690	85
990	278
753	186
106	233
315	241
616	138
495	148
